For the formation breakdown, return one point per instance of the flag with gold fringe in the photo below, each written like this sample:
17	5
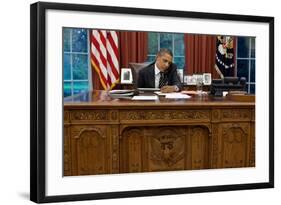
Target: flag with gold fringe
224	56
104	57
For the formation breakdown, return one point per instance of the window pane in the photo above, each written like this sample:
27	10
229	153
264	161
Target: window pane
253	47
253	71
179	61
247	88
152	43
150	58
80	66
79	87
253	88
66	89
243	68
66	39
79	40
178	44
243	47
66	67
166	40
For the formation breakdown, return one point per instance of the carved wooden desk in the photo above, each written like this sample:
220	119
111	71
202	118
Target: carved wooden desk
104	135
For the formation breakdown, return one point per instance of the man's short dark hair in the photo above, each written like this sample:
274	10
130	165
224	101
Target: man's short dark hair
162	51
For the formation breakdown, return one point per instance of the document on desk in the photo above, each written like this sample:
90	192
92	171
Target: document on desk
193	92
174	95
143	97
177	96
160	93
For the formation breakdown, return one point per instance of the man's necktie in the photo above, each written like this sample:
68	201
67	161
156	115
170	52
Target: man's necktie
162	80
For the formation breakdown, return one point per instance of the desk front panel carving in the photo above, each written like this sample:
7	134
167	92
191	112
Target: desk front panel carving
160	115
164	148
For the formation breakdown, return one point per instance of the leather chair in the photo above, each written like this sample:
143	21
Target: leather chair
136	67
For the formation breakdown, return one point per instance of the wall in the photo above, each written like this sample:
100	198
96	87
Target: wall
14	109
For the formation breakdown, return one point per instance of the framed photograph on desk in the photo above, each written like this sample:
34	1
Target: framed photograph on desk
190	80
207	78
85	146
126	76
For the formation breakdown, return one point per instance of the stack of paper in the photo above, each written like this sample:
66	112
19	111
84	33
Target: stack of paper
121	93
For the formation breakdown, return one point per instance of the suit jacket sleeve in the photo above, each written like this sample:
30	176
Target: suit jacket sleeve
175	79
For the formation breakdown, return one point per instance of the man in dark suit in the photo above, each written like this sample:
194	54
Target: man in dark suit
161	74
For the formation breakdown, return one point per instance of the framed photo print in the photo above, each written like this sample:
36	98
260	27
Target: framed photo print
207	78
190	80
86	145
126	75
198	78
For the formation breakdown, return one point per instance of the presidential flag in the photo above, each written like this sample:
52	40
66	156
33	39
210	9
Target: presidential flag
104	57
224	56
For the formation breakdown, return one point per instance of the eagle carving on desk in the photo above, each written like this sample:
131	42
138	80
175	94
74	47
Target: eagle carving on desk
167	148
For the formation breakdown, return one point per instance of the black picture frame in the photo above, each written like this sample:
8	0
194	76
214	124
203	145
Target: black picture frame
38	101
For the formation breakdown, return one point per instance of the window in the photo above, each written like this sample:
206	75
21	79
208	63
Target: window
174	42
76	69
246	61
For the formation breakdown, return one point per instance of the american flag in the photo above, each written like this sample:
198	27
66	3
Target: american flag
104	56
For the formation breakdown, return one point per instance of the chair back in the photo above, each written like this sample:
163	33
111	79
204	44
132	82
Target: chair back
136	67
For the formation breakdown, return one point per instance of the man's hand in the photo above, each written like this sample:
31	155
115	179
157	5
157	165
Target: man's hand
168	89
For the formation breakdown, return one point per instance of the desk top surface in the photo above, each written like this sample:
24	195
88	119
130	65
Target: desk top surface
103	99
